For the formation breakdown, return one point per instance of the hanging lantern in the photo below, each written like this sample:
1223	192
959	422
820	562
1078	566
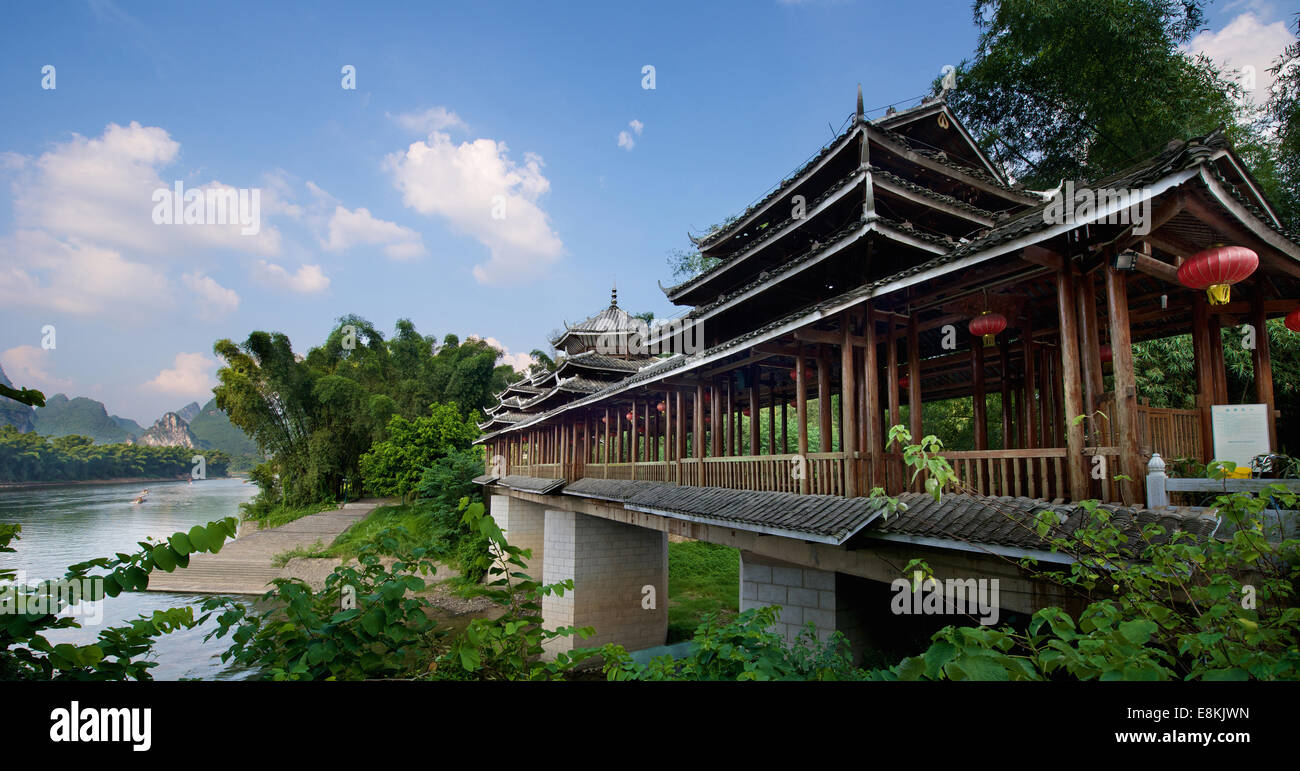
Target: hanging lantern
631	415
1107	354
745	412
605	420
661	406
988	325
1216	269
794	374
1293	320
903	382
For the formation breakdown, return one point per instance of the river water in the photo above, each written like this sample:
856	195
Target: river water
66	525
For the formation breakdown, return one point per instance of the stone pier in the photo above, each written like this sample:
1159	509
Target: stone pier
523	523
828	600
620	581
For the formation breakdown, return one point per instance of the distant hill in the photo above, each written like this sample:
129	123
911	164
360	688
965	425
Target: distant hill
14	413
168	431
62	416
215	431
132	428
188	412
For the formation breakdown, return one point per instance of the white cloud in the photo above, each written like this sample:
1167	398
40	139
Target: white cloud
519	361
28	366
359	228
190	376
625	139
75	277
309	279
481	192
214	300
429	121
1246	42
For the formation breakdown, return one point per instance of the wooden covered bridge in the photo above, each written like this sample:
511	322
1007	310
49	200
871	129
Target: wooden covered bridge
898	267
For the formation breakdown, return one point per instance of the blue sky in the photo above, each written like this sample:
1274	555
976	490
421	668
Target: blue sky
379	200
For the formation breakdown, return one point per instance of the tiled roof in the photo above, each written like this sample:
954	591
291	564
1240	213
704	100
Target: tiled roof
525	484
1006	521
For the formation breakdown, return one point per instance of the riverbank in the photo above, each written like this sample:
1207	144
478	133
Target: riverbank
119	480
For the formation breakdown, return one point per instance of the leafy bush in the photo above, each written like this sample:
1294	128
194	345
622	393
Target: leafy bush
120	651
395	466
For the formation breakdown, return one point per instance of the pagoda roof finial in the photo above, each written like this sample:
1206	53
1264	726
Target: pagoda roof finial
860	112
613	296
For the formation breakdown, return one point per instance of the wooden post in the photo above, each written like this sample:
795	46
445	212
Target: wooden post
751	379
875	437
699	427
715	421
978	397
891	373
785	440
729	440
681	425
823	401
914	379
848	405
1263	361
1204	378
1130	458
1031	380
771	415
801	413
1075	460
1093	378
1219	373
1004	351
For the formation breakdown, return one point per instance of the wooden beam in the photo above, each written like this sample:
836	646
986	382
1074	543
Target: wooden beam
1041	256
1157	269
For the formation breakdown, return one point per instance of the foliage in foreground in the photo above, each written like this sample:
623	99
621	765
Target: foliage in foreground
119	652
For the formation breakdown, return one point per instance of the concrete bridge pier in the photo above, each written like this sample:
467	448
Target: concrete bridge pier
830	601
523	523
620	581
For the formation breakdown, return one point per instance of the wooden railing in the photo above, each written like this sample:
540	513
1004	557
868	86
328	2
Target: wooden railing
1031	473
1172	433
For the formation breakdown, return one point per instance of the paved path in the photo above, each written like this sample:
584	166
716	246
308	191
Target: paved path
244	565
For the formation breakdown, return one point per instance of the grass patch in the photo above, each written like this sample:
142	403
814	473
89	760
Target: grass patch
703	578
314	551
283	515
423	528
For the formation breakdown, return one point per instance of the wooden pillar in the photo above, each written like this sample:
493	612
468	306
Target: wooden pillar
848	406
1263	361
1031	381
891	373
914	379
785	441
978	397
771	415
1126	413
1093	378
1004	359
729	439
1075	461
751	379
1219	373
875	437
715	421
823	401
608	442
801	412
1201	363
681	425
699	423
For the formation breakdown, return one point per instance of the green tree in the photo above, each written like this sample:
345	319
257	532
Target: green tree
396	465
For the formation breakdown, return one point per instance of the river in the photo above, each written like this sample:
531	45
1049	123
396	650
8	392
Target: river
66	525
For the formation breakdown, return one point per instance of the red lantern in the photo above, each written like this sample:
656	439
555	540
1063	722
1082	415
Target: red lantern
745	412
631	415
988	325
794	374
1106	353
661	406
1293	320
903	381
605	419
1215	270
